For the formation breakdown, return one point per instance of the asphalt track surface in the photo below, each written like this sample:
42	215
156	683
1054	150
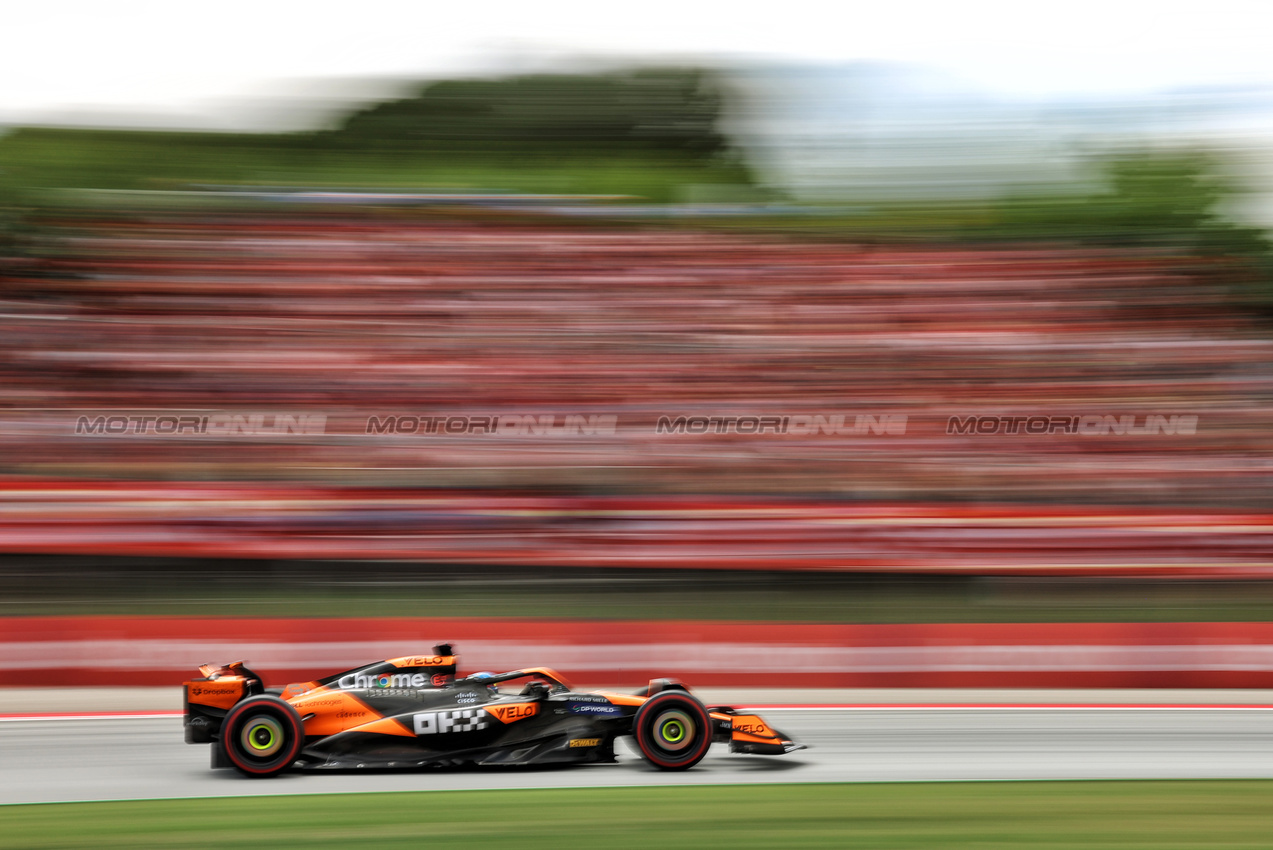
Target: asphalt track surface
132	757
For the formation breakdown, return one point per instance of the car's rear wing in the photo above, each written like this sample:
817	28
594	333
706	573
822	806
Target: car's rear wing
207	699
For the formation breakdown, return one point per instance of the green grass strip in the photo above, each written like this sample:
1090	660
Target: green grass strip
1091	815
653	596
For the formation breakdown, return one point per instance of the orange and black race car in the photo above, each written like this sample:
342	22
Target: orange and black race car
414	712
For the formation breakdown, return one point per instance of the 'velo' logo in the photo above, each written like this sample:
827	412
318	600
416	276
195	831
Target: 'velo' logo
511	713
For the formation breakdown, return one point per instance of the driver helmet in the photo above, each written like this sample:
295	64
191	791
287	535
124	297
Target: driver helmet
486	674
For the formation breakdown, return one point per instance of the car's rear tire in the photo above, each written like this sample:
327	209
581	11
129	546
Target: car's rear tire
262	736
673	730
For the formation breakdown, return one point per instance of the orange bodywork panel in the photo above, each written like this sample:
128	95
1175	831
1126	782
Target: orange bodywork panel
512	713
333	711
748	728
622	699
387	726
297	689
221	692
424	661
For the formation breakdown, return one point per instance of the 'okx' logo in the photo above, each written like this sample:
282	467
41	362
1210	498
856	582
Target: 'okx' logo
444	722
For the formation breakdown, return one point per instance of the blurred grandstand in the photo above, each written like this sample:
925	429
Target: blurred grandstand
462	305
364	313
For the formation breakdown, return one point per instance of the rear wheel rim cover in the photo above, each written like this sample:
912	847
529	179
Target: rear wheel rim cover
674	730
262	737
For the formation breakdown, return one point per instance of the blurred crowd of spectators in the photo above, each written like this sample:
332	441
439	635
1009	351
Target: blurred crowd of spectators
361	313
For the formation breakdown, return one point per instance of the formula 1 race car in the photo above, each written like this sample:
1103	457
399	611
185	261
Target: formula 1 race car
413	712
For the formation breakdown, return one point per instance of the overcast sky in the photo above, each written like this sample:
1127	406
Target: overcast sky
193	61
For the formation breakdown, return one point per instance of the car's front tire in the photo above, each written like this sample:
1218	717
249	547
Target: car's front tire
261	736
673	730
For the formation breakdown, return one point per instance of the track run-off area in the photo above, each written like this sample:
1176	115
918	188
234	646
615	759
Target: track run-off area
129	755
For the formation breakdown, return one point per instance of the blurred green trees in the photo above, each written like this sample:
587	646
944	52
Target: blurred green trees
1180	198
669	111
1172	199
656	135
652	134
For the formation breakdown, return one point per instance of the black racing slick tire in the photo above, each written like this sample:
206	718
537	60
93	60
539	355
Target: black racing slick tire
262	736
673	730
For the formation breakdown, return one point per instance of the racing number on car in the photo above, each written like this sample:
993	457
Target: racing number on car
443	722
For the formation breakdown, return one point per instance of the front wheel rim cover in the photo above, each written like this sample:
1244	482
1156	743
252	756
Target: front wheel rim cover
262	737
674	731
